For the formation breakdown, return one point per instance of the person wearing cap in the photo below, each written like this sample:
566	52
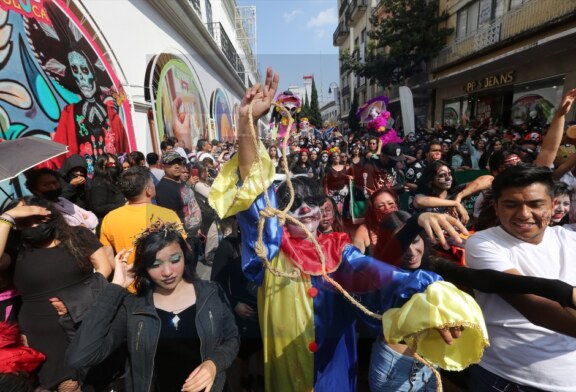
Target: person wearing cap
463	161
172	193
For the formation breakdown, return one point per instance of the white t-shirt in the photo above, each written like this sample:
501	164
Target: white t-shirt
519	350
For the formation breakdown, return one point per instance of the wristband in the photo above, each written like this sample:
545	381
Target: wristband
8	217
6	222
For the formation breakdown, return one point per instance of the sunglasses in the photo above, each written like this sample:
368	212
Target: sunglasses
110	164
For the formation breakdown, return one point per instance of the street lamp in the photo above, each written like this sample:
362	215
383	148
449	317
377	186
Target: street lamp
336	91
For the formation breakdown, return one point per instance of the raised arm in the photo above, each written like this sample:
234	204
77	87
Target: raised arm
262	98
552	140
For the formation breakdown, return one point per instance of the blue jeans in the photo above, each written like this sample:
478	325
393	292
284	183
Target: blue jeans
392	371
481	380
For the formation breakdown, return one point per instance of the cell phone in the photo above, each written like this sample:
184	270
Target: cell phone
194	172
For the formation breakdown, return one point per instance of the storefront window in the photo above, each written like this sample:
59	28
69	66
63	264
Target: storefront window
534	104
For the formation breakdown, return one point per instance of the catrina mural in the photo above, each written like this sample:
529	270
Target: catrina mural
179	105
222	116
56	82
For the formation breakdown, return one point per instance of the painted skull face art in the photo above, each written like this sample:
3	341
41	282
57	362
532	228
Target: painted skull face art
308	215
82	74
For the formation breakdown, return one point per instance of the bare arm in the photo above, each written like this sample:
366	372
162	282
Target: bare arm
478	185
101	263
262	100
552	140
422	201
542	312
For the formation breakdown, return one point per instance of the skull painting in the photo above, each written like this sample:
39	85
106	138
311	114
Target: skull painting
82	74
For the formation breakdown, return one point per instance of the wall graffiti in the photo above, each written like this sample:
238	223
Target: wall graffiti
222	116
179	105
56	82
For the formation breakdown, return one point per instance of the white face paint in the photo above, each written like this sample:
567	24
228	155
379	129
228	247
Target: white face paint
82	74
309	216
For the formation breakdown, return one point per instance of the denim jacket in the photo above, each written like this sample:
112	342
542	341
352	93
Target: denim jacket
118	317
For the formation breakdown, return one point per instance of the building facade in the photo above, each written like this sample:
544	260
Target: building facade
351	37
156	68
507	61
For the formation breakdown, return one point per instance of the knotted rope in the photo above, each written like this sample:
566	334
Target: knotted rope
283	216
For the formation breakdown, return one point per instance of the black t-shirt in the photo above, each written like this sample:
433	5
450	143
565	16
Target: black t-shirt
178	352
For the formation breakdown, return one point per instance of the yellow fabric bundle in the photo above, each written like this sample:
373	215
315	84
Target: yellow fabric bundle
442	305
225	196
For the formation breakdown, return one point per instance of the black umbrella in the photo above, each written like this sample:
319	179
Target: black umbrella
17	156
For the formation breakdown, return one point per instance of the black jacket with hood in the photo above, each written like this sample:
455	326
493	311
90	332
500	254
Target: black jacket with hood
76	194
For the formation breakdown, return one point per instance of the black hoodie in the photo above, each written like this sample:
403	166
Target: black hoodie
76	194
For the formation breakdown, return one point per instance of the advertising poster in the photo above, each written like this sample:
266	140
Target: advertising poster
179	105
222	116
536	107
451	114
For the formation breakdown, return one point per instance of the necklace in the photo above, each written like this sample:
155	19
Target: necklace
175	320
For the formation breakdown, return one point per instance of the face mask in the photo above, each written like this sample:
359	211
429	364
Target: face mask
37	235
114	172
52	195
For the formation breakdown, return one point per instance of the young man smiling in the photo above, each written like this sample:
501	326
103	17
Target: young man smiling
532	345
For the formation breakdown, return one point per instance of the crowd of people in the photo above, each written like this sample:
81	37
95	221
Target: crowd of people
146	275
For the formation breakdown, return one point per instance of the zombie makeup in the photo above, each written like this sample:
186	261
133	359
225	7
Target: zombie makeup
561	208
443	179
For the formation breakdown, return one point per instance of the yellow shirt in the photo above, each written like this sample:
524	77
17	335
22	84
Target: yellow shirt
123	225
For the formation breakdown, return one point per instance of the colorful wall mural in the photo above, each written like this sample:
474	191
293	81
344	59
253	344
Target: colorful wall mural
56	82
179	105
222	116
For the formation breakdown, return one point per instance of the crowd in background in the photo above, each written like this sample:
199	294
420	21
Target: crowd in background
366	185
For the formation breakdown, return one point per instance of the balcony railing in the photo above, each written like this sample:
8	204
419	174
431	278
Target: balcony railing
356	9
217	32
345	91
531	16
340	33
342	8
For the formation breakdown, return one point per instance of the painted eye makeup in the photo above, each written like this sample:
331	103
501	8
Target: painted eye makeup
175	258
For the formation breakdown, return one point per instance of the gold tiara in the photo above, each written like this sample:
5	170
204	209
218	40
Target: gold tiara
159	226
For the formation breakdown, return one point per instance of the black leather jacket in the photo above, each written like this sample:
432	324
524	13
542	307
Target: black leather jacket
118	317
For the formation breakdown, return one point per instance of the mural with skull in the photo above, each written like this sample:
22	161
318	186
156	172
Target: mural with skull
60	82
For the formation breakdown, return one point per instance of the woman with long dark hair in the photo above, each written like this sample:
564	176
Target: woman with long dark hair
437	191
50	258
104	196
179	331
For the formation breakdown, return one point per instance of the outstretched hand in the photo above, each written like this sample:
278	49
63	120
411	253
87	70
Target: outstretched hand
261	95
566	103
435	224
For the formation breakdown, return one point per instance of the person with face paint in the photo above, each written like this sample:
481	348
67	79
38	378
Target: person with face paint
380	204
104	195
308	327
437	191
45	183
335	181
49	258
330	220
561	202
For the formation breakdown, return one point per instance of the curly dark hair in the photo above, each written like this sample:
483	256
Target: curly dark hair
71	238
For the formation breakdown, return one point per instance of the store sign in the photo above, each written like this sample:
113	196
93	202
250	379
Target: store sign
489	82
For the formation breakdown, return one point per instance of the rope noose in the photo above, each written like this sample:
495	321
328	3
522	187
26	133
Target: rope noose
283	216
